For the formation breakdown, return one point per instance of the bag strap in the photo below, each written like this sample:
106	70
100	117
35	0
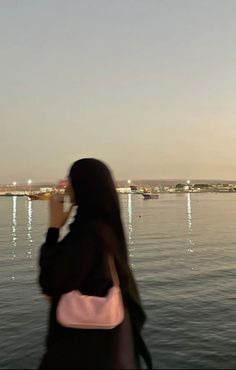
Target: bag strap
113	271
107	237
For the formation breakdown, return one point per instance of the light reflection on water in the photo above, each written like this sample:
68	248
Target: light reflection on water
14	225
190	223
130	229
29	229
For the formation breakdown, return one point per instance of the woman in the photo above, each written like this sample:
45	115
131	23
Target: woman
79	262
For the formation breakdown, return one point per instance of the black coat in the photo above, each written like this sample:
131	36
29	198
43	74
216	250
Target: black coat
79	262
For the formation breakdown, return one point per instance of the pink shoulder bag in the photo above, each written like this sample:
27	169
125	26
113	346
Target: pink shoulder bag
79	311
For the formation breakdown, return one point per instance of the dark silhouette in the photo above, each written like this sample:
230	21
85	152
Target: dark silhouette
79	261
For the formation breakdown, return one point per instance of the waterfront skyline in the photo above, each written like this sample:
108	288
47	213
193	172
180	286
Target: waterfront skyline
148	87
120	183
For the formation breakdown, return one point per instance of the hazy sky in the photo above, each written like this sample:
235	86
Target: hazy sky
149	86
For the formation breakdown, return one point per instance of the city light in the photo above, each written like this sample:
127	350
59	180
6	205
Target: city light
29	184
14	183
129	182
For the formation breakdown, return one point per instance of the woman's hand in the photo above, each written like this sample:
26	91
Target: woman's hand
57	215
48	298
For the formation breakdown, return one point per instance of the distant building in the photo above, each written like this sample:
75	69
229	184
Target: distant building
124	190
46	190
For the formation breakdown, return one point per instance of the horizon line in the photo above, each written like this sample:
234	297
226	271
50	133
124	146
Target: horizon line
126	180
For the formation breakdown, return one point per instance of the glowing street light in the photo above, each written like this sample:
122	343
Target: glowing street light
14	184
29	184
188	185
129	182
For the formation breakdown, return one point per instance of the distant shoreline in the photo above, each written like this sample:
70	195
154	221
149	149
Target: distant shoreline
136	194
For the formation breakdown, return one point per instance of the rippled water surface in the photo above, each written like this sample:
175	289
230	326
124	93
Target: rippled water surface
183	251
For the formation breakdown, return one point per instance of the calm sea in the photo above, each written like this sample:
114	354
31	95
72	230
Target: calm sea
183	252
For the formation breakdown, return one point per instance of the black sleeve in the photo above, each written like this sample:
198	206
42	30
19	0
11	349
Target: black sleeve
48	250
67	264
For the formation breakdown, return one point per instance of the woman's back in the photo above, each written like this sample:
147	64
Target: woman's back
80	261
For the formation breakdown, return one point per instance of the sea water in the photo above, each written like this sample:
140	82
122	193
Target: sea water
183	253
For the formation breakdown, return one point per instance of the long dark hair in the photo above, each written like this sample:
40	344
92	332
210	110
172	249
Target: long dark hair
97	199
